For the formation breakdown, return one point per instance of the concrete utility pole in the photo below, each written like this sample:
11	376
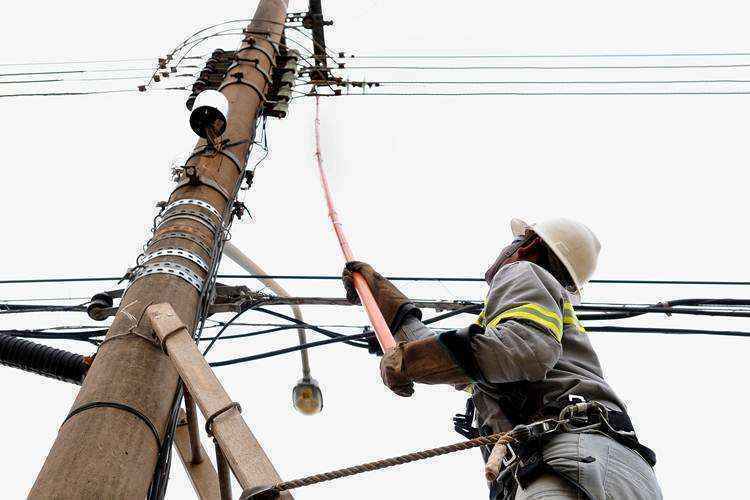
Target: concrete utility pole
105	449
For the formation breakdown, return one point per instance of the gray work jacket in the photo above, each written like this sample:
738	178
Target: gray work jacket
526	351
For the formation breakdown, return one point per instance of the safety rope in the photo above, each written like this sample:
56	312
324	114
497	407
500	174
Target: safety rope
503	438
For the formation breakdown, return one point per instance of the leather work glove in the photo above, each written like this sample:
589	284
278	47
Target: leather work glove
424	361
394	305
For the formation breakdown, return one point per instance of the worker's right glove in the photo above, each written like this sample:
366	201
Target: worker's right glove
394	305
425	361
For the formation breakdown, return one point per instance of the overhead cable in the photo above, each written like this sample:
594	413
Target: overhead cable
391	278
656	66
550	56
308	345
547	82
463	94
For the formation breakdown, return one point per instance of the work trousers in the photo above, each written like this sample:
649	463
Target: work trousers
617	472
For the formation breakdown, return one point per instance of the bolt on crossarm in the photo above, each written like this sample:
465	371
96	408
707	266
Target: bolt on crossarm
108	446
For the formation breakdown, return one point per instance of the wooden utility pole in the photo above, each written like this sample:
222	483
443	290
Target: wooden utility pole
106	447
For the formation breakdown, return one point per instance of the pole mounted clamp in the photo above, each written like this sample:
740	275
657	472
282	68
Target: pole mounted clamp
255	62
198	203
252	45
194	178
172	269
194	215
176	252
180	235
209	151
239	80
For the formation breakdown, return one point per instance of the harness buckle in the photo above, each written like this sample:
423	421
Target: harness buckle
510	456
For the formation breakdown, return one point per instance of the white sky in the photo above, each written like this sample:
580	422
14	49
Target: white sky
426	186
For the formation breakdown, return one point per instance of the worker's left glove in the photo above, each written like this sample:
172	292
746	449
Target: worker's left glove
424	361
394	305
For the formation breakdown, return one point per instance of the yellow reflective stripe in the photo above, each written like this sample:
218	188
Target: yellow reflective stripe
570	318
481	318
536	314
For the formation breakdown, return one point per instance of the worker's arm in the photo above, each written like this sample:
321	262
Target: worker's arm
522	332
521	339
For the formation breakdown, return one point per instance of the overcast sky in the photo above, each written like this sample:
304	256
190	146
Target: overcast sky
425	186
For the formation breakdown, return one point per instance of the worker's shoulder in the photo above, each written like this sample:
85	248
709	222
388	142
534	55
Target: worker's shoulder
525	271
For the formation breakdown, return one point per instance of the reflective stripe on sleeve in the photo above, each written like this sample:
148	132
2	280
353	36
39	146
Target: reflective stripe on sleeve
570	318
535	313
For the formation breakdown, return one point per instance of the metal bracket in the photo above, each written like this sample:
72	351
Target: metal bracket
261	49
198	203
223	152
181	235
240	81
232	298
239	60
193	215
198	179
171	268
177	252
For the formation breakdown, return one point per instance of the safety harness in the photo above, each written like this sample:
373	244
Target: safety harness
524	461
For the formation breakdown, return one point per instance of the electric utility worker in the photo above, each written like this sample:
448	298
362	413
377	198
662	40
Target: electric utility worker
525	359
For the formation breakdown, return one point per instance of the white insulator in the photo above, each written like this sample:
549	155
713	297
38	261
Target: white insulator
211	109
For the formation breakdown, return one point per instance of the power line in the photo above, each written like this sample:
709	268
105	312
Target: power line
666	331
658	66
17	82
545	56
463	94
392	278
92	92
548	82
64	63
308	345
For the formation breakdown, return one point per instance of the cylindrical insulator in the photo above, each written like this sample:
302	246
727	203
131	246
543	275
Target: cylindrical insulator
43	360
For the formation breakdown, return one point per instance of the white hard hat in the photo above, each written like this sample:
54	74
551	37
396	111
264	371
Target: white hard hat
572	242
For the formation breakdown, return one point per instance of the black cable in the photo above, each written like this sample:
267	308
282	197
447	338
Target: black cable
666	331
343	338
467	94
255	333
30	308
245	307
473	308
479	280
383	83
391	278
64	63
660	66
545	56
327	333
53	94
